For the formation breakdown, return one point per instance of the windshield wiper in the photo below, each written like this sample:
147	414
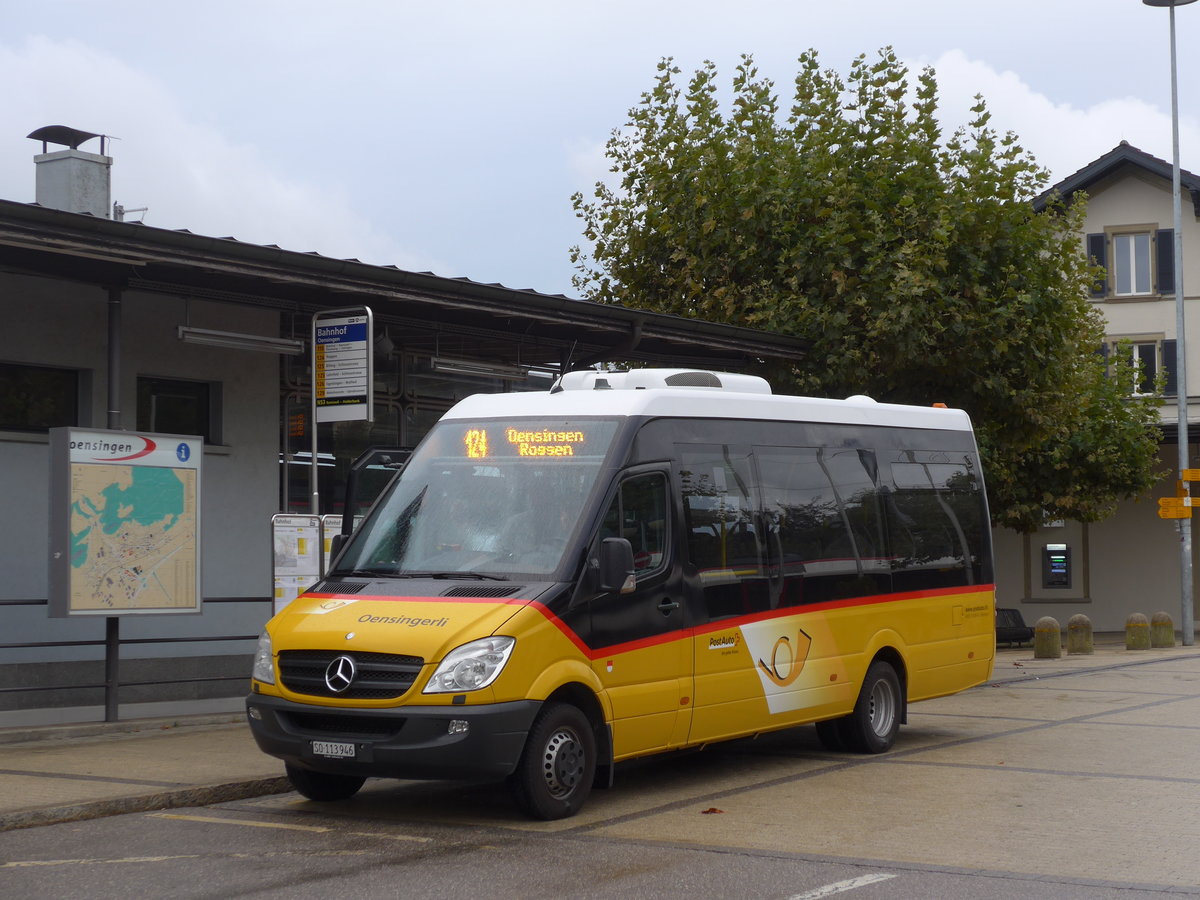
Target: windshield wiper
371	573
392	573
478	576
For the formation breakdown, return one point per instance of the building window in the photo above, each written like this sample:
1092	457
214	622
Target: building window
37	398
1131	264
1150	358
169	406
1137	263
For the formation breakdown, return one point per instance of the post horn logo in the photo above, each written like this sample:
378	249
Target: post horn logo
787	662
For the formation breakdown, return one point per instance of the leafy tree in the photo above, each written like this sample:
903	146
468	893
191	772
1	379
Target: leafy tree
913	261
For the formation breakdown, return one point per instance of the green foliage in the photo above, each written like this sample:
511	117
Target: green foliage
913	262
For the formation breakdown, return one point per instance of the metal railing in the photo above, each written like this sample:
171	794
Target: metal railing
112	643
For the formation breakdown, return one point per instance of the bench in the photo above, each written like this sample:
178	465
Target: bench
1011	628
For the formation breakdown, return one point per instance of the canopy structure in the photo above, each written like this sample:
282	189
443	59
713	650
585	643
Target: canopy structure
429	313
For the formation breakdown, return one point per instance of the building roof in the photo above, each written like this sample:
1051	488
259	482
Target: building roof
1123	156
451	316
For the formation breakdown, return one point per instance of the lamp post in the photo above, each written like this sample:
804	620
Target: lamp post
1187	618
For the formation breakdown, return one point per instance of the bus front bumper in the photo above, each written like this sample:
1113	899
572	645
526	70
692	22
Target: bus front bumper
454	742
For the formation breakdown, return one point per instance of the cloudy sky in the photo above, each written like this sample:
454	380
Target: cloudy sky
449	137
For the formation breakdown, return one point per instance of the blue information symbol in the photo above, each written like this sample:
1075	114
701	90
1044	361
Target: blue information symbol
183	451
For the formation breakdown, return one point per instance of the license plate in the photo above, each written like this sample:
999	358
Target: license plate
333	749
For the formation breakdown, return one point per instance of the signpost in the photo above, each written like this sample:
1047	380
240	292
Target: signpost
1174	507
343	370
1180	506
342	365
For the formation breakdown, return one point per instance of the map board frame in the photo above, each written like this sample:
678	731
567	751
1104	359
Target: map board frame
81	581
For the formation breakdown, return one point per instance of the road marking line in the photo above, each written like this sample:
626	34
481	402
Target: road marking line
839	887
316	829
32	863
313	829
391	837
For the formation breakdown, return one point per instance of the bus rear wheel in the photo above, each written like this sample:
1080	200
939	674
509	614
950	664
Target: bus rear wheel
873	725
554	776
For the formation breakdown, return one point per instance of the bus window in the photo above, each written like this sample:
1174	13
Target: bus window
935	521
825	524
723	540
639	514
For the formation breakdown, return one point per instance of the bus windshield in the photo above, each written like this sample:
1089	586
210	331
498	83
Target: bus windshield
484	499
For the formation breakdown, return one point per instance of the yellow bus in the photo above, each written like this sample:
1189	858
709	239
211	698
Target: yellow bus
629	564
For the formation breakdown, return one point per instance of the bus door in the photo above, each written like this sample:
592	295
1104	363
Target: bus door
727	544
773	531
643	657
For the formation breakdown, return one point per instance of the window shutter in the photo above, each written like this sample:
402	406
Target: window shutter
1097	250
1164	250
1171	388
1146	358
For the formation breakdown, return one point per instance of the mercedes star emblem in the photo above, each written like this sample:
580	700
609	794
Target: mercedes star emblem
340	673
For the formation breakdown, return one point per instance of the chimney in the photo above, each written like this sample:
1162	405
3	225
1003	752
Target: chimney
72	179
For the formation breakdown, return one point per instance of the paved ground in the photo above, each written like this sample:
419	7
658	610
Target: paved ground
1080	767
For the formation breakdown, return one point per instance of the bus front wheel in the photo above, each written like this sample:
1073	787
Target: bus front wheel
323	786
555	773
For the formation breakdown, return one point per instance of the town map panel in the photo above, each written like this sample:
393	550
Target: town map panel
133	537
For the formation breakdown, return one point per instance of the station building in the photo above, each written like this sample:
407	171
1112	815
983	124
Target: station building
118	325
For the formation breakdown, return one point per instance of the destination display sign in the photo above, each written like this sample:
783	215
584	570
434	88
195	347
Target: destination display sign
524	441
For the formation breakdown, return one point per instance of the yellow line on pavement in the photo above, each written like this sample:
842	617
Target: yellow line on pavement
392	837
314	829
32	863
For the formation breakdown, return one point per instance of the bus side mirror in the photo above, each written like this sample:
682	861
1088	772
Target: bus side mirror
616	566
336	544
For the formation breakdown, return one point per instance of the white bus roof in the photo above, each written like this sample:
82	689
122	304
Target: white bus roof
655	393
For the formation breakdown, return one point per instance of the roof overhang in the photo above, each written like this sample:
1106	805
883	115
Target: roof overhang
433	312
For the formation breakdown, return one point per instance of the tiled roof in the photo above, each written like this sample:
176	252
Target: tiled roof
1124	154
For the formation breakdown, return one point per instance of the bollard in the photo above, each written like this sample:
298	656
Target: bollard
1047	639
1079	635
1162	630
1137	632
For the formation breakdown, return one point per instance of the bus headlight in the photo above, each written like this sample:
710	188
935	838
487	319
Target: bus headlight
471	666
264	669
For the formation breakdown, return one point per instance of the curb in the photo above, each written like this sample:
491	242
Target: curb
21	734
190	796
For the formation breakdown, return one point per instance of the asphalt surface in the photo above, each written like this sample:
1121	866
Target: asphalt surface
69	772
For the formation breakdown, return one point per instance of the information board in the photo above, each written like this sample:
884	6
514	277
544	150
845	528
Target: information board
124	523
297	552
342	366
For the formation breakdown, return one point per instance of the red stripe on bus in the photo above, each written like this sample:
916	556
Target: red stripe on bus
682	633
